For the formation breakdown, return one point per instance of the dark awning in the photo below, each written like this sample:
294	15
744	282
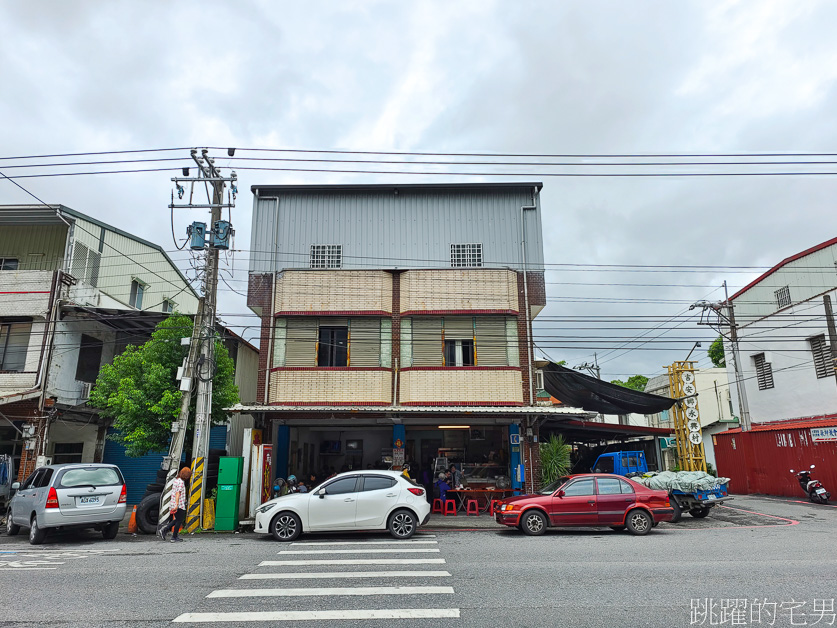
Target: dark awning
582	391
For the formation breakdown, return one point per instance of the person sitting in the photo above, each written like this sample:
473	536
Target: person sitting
443	486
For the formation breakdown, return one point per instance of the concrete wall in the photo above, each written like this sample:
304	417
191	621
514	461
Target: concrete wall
783	339
455	386
458	290
73	432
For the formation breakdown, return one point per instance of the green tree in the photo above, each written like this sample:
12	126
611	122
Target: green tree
716	352
636	382
555	459
140	393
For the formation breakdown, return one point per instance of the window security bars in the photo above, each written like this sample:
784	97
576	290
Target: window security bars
466	255
326	256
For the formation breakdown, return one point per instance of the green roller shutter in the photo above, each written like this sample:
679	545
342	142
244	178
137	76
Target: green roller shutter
427	342
459	328
365	342
301	342
491	341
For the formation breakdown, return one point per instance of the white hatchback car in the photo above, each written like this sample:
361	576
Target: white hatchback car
356	500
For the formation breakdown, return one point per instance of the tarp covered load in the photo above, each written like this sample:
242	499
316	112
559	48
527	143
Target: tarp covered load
582	391
686	481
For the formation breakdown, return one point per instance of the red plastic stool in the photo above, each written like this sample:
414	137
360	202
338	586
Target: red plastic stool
494	505
437	506
473	507
450	507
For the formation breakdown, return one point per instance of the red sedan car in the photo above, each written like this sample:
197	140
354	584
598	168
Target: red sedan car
587	500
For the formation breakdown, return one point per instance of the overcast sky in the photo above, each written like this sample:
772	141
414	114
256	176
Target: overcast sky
553	77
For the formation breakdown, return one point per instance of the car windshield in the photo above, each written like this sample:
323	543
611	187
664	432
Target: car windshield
553	486
90	476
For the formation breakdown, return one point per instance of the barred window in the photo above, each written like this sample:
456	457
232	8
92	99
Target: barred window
783	297
466	255
822	356
326	256
764	372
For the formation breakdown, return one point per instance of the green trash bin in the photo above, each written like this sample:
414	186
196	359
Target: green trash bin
230	472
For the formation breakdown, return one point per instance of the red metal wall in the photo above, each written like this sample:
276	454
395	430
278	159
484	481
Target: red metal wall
759	461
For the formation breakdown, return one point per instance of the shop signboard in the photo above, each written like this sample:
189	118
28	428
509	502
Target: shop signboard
823	434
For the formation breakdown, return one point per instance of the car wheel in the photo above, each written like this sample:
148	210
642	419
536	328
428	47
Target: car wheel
110	530
402	524
286	526
638	522
11	528
699	513
678	511
617	528
36	534
148	514
533	523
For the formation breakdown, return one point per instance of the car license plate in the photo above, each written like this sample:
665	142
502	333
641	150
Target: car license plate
710	497
820	491
88	501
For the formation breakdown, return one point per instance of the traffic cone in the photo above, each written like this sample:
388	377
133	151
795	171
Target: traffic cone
132	522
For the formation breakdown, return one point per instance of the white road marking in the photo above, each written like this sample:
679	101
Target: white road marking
323	591
312	543
421	550
314	575
392	613
354	561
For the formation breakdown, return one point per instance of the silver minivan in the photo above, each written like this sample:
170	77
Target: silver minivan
67	496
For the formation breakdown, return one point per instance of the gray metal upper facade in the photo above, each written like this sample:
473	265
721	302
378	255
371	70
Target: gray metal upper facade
396	226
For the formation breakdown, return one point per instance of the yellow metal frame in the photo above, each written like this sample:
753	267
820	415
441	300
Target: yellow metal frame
691	457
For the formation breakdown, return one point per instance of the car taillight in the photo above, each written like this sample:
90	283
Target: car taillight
123	496
52	498
416	491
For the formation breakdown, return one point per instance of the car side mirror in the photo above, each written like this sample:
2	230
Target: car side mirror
321	493
15	486
560	493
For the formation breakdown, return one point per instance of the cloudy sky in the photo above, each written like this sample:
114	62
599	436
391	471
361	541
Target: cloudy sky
514	77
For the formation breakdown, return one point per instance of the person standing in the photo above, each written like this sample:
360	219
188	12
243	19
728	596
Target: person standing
455	477
177	507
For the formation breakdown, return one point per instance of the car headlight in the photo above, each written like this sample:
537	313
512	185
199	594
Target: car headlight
509	507
265	507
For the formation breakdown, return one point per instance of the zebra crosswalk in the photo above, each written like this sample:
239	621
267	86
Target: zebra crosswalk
358	579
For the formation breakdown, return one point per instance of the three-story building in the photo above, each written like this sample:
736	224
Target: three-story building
396	326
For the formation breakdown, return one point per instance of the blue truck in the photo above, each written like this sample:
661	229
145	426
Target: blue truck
633	464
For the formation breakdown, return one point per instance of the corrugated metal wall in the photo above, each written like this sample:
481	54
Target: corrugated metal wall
381	229
140	472
760	462
38	247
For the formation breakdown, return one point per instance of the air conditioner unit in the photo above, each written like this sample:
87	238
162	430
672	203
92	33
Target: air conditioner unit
86	387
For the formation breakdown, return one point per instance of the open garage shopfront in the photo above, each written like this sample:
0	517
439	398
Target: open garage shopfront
490	445
481	452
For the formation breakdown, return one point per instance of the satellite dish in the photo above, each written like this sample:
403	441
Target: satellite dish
691	402
694	426
689	390
695	438
687	377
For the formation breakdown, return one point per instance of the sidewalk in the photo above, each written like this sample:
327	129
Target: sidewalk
461	520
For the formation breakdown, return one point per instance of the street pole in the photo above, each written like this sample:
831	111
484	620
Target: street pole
832	330
206	362
201	363
744	407
172	461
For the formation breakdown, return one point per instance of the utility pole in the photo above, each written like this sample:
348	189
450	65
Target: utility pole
832	330
723	315
201	362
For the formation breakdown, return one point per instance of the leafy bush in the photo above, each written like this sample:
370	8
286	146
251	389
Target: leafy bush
555	459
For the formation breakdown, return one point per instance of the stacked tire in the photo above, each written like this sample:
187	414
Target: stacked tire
148	510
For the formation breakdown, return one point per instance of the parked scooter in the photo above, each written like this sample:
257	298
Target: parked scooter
814	488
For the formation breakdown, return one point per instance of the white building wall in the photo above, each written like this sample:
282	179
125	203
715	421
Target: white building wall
783	339
61	380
